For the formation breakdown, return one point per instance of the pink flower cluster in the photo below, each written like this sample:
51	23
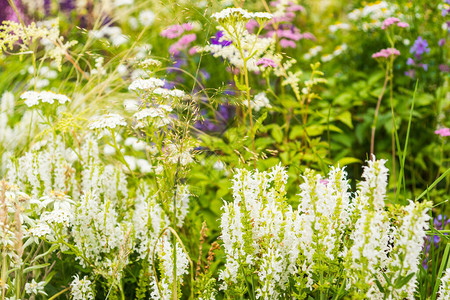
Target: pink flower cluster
386	53
391	21
183	43
266	62
175	31
282	26
443	132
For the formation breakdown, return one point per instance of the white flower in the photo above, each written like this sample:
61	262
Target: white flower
444	288
35	287
145	84
146	17
260	101
107	121
144	166
81	289
150	63
33	98
40	230
56	217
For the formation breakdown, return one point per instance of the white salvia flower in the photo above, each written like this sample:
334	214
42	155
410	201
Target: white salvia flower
35	288
81	289
408	243
372	190
33	98
110	121
444	288
146	17
145	84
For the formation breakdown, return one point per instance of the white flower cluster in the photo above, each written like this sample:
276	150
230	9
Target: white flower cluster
444	288
252	47
33	98
165	254
373	14
145	84
331	229
239	14
113	33
157	116
110	121
81	289
259	101
150	63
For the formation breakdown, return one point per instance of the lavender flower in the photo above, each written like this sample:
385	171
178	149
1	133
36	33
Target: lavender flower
420	47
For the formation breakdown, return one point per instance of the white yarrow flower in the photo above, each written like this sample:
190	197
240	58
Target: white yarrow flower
110	121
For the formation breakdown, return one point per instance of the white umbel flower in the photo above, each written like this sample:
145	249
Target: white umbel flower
110	121
145	84
33	98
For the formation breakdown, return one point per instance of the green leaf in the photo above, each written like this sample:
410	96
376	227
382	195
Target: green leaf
347	161
277	134
36	267
241	87
401	281
346	118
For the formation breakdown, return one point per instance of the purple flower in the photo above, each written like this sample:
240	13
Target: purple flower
424	66
420	47
441	42
410	73
217	40
410	62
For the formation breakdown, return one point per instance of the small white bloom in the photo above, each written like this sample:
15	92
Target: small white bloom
146	17
35	288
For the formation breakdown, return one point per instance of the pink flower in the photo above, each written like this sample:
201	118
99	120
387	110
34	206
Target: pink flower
402	24
192	51
266	62
295	7
308	36
287	43
251	25
443	132
386	53
182	43
389	21
175	31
